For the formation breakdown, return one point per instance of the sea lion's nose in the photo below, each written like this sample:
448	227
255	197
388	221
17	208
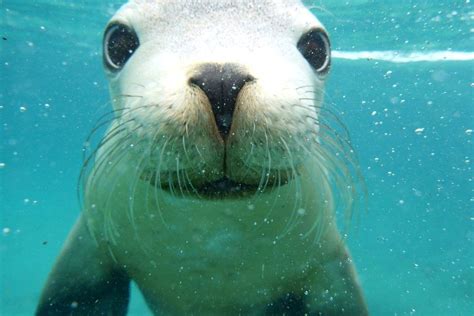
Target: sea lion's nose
222	84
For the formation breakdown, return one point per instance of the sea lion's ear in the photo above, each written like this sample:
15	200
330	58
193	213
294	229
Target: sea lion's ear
84	281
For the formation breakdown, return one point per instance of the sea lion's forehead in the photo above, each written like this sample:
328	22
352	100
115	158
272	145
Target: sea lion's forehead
202	6
265	17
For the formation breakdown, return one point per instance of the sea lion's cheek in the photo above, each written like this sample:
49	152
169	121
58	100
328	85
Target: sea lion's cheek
175	125
267	135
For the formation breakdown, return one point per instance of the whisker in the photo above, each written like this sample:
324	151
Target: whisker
100	161
297	188
111	135
137	84
102	121
262	171
110	228
130	96
180	185
246	162
185	171
133	185
267	170
331	113
158	184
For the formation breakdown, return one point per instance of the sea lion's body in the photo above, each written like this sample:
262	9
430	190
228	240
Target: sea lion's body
211	211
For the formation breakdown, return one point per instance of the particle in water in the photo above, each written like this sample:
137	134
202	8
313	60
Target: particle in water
301	212
468	132
22	109
373	113
6	231
419	130
2	165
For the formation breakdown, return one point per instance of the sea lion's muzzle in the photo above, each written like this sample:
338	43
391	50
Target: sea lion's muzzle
221	83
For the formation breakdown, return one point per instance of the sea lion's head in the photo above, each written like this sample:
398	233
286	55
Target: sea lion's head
219	98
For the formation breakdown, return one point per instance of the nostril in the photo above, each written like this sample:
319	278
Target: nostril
222	84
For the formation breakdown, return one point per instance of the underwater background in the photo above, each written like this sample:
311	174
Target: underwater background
402	79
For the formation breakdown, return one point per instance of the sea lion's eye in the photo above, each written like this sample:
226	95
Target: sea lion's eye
120	42
315	47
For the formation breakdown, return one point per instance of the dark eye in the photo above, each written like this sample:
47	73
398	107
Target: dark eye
120	42
315	47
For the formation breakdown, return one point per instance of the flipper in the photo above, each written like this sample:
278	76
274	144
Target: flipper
338	291
84	280
288	305
333	290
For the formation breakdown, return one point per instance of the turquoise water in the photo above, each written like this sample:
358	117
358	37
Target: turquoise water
402	78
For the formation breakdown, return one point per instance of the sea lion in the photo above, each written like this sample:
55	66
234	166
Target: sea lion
215	187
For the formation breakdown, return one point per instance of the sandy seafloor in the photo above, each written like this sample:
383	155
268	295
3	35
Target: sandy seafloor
410	114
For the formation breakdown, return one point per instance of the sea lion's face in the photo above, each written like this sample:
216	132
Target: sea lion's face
220	96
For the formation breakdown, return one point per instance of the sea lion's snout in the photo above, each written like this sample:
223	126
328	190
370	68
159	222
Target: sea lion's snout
222	84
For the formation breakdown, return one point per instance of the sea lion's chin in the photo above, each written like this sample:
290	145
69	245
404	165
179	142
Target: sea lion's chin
220	186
